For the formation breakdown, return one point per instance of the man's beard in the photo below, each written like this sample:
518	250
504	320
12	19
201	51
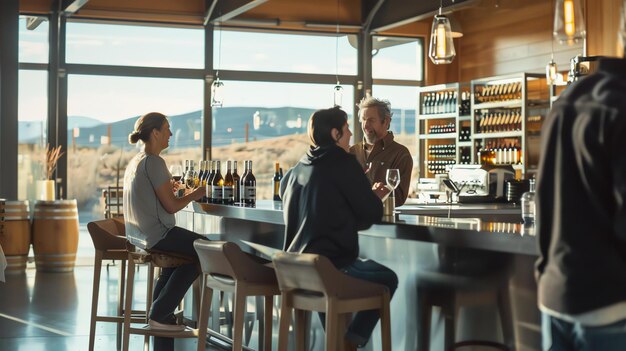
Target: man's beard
370	138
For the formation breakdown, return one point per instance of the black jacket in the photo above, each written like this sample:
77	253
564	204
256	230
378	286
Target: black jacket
327	199
581	195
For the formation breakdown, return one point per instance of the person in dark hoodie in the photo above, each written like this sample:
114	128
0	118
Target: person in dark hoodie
581	214
327	199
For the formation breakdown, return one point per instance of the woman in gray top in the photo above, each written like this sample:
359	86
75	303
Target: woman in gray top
149	210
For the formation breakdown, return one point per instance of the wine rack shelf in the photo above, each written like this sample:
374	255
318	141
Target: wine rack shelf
496	113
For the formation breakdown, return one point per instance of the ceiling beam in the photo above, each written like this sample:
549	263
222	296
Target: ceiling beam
70	7
32	22
225	10
210	7
395	13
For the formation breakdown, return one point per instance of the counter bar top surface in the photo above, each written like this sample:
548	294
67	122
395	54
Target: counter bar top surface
470	233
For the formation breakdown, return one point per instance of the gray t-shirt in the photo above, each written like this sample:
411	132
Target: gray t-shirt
145	219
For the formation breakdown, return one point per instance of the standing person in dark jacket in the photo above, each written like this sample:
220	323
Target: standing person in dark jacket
327	200
581	214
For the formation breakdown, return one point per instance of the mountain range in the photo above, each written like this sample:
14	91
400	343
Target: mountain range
228	126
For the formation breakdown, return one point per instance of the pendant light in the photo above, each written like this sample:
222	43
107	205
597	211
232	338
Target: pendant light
441	49
338	89
217	87
551	72
569	24
551	69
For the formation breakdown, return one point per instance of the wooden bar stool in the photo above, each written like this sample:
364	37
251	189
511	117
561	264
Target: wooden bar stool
465	279
310	282
154	259
226	268
109	241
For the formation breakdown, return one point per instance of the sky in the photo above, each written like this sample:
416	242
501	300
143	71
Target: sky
110	99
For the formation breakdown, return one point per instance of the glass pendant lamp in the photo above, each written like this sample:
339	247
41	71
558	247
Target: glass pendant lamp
551	72
441	50
217	87
569	23
217	93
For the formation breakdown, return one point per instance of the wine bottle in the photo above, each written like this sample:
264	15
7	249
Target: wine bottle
276	181
242	194
216	185
209	183
228	186
236	184
190	179
184	175
249	187
203	182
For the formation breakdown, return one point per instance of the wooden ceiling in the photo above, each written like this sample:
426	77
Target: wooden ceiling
313	15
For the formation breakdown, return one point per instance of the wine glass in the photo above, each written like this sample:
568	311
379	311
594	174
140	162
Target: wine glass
393	178
177	172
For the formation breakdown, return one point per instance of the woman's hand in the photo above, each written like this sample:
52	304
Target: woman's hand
198	193
380	189
175	186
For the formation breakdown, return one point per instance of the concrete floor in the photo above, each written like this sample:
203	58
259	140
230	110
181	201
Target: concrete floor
51	311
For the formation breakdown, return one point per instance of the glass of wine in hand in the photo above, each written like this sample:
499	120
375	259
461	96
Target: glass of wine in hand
177	172
393	178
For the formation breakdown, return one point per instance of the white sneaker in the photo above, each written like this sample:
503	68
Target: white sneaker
154	325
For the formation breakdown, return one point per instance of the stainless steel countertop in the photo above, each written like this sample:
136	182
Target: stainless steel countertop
454	232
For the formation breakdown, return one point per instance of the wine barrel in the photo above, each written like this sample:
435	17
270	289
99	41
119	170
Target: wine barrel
15	234
55	235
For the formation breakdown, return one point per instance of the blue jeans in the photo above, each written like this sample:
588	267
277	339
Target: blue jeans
363	323
559	335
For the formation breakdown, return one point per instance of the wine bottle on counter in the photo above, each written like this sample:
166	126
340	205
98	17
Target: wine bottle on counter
216	185
236	184
242	194
228	197
190	178
249	187
184	176
200	174
276	181
203	178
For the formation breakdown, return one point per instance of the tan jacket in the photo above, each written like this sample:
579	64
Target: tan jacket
387	154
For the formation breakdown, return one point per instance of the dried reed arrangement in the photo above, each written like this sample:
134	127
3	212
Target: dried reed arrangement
52	157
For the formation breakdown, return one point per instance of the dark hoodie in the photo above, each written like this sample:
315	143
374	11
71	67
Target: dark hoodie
327	200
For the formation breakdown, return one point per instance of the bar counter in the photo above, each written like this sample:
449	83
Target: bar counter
428	254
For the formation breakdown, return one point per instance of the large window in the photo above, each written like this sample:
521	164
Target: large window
33	45
275	116
32	105
295	53
32	121
102	111
134	45
397	58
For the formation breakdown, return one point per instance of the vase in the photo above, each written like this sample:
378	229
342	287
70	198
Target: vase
46	190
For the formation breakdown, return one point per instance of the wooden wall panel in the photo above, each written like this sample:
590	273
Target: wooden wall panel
504	40
603	20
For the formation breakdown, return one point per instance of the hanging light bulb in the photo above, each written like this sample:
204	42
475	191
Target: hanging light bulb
217	93
441	49
569	24
217	87
338	95
551	72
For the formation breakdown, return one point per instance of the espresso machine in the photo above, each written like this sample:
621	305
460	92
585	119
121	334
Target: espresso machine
480	183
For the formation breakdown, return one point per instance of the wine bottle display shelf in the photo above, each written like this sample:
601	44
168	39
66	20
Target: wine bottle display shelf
498	92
